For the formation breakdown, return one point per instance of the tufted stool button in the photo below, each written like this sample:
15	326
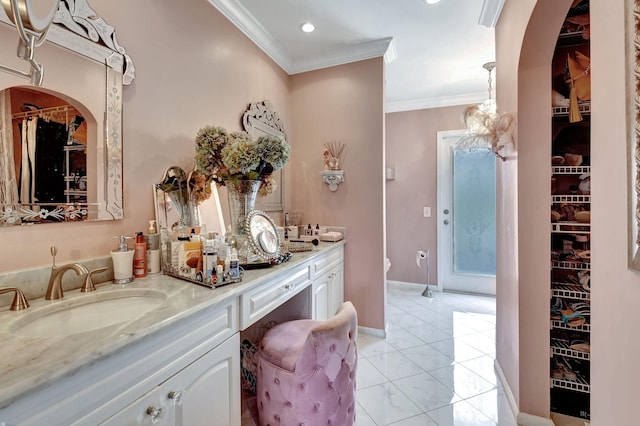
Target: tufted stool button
316	406
288	404
276	417
276	381
330	384
332	348
267	396
302	386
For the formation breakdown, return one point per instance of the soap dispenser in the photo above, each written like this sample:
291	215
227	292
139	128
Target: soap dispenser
122	262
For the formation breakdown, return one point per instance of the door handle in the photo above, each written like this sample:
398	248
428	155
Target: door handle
446	222
445	211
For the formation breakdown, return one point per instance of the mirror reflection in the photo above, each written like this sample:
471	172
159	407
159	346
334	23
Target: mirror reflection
49	138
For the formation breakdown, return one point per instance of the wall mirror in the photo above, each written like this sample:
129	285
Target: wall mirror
261	120
633	130
81	100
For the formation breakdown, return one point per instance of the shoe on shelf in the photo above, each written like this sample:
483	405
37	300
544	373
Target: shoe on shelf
580	345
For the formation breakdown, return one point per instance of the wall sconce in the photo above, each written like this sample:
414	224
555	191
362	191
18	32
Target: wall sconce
32	30
332	175
485	127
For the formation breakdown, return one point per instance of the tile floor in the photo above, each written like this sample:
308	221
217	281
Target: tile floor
436	366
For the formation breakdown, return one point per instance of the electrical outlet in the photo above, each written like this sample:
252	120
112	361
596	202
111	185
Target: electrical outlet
426	211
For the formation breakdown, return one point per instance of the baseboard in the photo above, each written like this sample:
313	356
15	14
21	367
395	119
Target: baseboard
433	287
523	419
513	405
376	332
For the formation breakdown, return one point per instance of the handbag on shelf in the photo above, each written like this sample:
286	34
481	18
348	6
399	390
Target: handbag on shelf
579	83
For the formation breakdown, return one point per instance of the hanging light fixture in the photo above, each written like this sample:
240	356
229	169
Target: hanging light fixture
485	127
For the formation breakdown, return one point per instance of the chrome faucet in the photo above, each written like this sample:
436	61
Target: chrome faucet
54	291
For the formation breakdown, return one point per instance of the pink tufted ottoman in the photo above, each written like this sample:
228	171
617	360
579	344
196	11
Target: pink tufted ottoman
307	372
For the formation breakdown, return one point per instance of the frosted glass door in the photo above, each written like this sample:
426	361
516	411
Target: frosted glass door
467	217
474	212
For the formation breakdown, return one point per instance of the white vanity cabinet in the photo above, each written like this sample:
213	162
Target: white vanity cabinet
176	365
207	392
197	356
328	280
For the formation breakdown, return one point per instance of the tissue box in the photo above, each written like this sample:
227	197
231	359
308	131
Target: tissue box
331	236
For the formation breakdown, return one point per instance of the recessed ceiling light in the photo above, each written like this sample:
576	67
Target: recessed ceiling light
432	1
308	27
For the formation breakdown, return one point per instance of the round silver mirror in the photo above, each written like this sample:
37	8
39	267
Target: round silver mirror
31	16
263	235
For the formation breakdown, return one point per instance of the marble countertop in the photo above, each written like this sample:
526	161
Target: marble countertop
27	364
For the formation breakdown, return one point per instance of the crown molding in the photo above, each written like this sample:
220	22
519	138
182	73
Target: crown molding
235	12
354	53
436	102
490	13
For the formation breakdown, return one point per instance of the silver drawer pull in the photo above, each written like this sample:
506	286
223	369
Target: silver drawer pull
287	287
176	396
155	413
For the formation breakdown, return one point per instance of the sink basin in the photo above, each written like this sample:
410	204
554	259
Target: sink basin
87	312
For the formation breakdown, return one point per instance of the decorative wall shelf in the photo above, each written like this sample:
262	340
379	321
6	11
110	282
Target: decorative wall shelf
333	178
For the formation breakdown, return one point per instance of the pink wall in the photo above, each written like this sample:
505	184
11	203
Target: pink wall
526	365
411	139
193	68
345	103
615	290
525	38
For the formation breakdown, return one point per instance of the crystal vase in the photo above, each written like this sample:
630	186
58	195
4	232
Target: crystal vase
187	210
242	200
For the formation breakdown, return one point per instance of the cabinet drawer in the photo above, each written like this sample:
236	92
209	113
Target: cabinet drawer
256	303
328	261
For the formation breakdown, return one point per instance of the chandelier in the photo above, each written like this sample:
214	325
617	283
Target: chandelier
485	127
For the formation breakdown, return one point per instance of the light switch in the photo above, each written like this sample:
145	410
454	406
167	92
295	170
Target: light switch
426	211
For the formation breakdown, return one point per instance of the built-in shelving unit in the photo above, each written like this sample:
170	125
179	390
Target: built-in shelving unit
75	159
570	287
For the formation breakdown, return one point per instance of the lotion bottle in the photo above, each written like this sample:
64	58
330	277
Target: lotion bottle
153	249
122	262
140	257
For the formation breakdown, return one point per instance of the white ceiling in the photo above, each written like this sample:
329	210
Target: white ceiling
440	48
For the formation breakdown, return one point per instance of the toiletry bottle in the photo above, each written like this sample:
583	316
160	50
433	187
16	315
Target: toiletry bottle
122	262
153	248
234	265
223	254
308	231
220	274
316	231
210	261
140	257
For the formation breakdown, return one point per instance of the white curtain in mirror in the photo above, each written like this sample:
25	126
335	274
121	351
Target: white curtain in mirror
8	183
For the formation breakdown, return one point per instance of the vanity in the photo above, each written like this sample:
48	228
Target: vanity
178	362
